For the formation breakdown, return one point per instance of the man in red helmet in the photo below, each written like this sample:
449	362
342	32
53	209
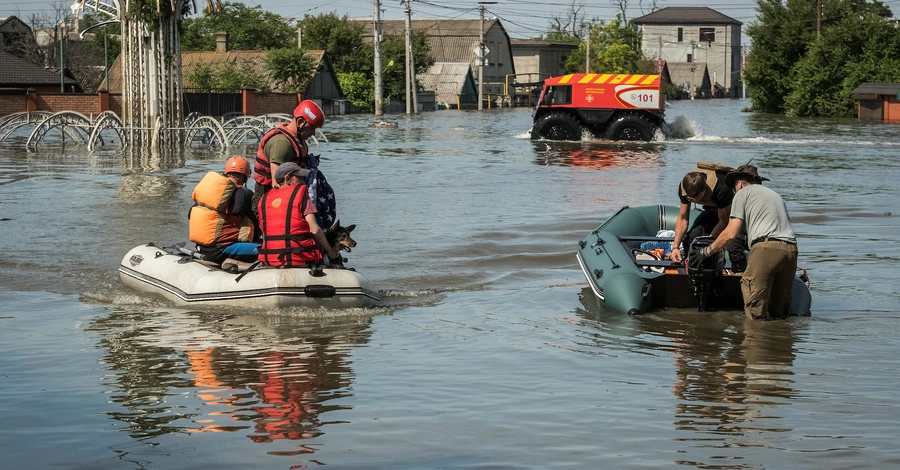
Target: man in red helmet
222	215
285	143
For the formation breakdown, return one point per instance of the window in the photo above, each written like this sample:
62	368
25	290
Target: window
707	34
558	95
690	57
680	34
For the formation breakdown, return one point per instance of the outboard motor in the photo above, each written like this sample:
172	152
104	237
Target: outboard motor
706	281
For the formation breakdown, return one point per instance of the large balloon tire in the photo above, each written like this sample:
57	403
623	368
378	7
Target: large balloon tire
630	126
557	126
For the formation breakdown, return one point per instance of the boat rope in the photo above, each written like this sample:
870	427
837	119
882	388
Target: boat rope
251	268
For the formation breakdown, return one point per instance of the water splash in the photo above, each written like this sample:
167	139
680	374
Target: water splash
681	128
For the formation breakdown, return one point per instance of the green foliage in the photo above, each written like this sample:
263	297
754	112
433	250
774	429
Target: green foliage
393	55
791	71
358	88
342	38
290	69
615	48
248	28
229	76
564	37
202	78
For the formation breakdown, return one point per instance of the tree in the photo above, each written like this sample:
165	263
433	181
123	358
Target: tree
784	35
857	49
248	28
568	27
358	88
393	48
342	38
291	69
615	48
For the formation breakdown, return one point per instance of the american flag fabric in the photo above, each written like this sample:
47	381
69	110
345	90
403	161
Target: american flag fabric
321	194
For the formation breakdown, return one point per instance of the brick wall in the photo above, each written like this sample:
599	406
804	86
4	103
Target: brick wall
276	103
87	104
10	104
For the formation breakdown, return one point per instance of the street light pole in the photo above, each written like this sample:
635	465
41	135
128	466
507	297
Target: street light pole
105	52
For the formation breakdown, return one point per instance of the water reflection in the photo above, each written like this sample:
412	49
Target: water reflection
596	155
270	377
732	375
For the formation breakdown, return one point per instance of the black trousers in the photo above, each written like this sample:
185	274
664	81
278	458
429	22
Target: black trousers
704	225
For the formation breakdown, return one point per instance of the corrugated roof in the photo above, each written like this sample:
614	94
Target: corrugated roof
450	40
686	15
537	43
449	79
190	60
16	71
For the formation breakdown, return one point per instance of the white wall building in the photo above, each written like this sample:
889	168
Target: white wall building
696	34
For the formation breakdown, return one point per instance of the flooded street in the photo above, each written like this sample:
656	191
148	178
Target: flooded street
490	351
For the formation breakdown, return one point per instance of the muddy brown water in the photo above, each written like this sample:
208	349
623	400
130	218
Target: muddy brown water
489	351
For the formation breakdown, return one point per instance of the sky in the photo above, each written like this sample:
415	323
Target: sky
522	19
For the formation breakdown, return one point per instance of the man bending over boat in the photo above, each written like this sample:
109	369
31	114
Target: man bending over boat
222	214
706	186
287	217
768	281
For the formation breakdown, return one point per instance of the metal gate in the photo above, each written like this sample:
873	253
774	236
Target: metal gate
212	103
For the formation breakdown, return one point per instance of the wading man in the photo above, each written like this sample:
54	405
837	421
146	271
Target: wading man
768	279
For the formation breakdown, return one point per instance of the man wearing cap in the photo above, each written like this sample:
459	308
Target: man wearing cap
291	236
285	143
706	186
772	265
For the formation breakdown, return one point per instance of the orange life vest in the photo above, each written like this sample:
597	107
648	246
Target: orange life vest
286	237
210	222
262	168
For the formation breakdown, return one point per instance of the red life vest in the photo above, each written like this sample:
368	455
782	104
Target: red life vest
210	222
286	237
262	168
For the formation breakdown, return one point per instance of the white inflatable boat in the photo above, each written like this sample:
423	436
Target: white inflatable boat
185	280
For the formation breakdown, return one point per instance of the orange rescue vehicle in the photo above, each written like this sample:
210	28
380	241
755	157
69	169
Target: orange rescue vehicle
608	106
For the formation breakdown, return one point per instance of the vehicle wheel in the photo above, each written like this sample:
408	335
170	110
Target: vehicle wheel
630	126
557	126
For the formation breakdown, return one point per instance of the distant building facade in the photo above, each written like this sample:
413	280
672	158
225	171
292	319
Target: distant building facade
536	60
453	85
696	34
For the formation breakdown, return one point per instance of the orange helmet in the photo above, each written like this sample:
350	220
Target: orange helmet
310	112
237	165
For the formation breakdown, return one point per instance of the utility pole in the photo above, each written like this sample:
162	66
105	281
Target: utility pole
379	101
818	19
481	54
587	55
408	57
62	35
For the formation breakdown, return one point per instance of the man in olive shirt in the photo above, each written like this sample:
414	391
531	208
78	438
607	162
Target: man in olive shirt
772	265
285	143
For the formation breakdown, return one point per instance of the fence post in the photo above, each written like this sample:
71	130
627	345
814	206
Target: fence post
31	100
248	101
102	100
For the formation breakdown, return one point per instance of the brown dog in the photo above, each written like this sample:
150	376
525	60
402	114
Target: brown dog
339	238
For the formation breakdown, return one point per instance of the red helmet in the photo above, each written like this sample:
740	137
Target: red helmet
237	165
310	112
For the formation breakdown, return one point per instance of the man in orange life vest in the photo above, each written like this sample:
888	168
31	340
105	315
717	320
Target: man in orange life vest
291	235
285	143
222	212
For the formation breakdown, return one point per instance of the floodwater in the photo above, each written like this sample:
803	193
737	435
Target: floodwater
489	352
